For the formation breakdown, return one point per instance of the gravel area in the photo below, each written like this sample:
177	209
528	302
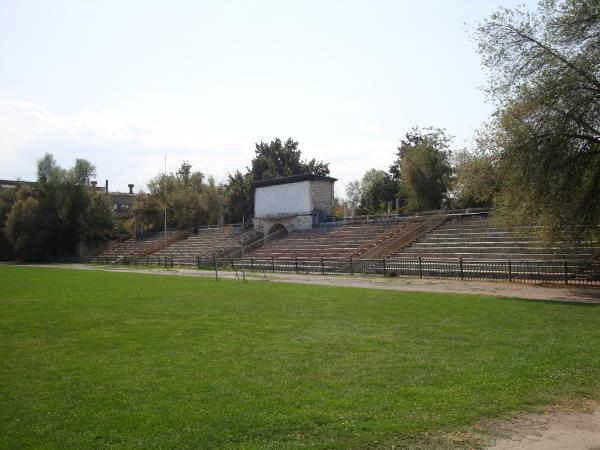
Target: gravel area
501	289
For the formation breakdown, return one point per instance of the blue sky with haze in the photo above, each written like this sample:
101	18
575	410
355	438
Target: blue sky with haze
125	83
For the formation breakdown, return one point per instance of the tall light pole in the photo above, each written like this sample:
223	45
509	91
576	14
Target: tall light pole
165	178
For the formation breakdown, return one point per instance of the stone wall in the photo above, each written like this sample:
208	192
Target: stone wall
321	193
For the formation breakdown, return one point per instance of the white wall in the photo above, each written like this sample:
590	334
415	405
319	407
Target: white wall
291	198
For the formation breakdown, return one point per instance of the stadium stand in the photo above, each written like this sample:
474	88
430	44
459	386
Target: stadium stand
207	243
479	237
324	242
140	246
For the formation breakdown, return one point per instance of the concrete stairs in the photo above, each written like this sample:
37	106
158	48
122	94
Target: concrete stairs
205	244
477	237
139	246
326	242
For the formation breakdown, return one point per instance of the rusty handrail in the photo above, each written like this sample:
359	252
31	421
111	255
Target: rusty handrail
383	236
164	244
393	243
244	250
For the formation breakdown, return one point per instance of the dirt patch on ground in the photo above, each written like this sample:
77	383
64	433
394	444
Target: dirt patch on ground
550	430
501	289
573	425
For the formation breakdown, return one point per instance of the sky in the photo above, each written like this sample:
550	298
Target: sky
126	83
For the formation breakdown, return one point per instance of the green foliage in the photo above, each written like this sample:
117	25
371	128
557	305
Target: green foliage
82	172
545	78
278	159
61	209
115	360
7	198
423	169
271	160
372	193
476	182
191	201
239	198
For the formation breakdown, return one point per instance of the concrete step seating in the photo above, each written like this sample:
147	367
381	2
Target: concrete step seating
326	242
138	246
205	244
478	237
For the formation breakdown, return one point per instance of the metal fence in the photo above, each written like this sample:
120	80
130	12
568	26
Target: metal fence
563	272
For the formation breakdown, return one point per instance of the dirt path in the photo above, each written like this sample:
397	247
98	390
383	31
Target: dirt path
558	430
501	289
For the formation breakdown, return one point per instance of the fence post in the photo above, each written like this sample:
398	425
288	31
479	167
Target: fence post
509	270
351	266
420	267
462	274
383	266
198	261
171	261
215	264
322	267
251	264
273	263
566	274
296	263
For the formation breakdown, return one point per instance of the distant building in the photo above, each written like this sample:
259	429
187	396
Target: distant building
119	201
293	203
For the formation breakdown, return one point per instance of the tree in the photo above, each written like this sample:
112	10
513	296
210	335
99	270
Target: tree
7	198
545	79
476	182
278	159
239	198
422	168
49	218
190	201
271	160
372	193
82	172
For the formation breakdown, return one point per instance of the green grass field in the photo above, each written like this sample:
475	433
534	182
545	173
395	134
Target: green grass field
92	359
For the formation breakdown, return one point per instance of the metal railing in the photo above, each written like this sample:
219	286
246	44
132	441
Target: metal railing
376	217
165	243
277	235
522	271
401	236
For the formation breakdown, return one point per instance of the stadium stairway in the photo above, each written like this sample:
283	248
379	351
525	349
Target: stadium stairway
205	244
477	237
139	246
326	242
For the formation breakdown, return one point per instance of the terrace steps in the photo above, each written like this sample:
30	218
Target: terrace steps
139	246
479	238
207	243
331	242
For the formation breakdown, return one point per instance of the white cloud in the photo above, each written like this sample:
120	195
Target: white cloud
131	148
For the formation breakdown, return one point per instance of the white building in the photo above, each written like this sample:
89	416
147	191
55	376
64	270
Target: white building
295	202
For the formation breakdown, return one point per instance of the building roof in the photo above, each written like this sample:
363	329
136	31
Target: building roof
292	179
14	183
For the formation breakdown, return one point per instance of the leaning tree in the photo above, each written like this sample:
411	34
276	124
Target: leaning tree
544	76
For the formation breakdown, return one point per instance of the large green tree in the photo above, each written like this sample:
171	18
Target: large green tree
476	180
422	168
49	218
190	202
271	160
544	75
239	198
371	194
282	159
